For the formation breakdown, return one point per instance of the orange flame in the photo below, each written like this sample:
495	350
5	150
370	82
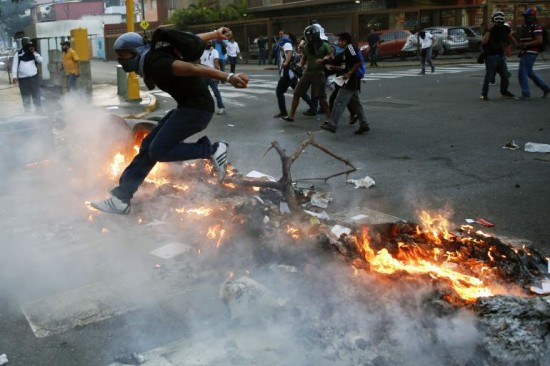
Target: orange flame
217	233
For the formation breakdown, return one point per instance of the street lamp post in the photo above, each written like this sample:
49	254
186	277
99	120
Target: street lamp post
133	80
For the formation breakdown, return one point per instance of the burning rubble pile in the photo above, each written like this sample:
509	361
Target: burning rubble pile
466	269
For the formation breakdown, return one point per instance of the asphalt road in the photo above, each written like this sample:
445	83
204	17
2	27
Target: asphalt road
433	146
81	288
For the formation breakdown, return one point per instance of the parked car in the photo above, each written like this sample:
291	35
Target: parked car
453	39
474	38
391	43
410	48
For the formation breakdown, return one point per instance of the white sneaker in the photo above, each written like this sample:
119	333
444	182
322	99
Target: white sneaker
112	205
219	159
221	111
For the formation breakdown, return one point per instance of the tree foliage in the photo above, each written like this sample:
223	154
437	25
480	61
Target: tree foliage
12	16
200	13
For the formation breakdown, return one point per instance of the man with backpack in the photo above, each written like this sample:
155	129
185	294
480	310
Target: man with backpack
531	42
25	72
288	74
350	63
170	62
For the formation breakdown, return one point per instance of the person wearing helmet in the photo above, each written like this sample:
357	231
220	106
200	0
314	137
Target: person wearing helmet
495	40
315	53
531	42
25	73
162	64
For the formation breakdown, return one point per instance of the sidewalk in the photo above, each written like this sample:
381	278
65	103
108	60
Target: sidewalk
105	97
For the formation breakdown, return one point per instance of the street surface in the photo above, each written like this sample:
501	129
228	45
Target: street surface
78	287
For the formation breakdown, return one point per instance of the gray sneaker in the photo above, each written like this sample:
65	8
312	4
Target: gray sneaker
219	159
112	205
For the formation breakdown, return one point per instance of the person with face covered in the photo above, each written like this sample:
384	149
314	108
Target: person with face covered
211	58
71	65
315	54
163	65
25	73
495	40
531	43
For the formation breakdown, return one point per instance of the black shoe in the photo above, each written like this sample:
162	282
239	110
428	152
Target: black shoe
545	93
353	119
320	111
329	127
507	94
287	118
433	69
422	72
362	129
280	115
310	112
484	98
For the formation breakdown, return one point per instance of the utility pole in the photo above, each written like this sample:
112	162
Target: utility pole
133	80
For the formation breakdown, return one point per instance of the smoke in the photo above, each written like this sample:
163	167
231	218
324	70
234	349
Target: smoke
248	297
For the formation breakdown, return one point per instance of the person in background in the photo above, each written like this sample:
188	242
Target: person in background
71	65
211	58
261	41
220	45
425	44
531	42
287	78
348	93
25	73
374	40
162	66
315	54
494	41
233	52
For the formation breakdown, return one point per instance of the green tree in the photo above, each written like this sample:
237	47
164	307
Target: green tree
12	15
200	13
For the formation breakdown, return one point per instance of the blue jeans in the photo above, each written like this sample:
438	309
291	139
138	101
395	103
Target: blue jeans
222	62
426	56
495	64
71	82
213	84
261	56
526	72
165	144
232	63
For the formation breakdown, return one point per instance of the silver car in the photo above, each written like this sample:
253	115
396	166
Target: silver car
453	39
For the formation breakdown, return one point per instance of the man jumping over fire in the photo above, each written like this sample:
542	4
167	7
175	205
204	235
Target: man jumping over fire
169	64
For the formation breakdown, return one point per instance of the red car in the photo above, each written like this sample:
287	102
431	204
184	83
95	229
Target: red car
391	43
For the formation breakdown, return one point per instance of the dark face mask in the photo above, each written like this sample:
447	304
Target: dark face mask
130	64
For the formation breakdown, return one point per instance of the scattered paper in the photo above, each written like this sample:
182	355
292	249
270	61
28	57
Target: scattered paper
470	221
257	174
112	107
339	80
322	215
536	147
544	289
321	199
230	125
338	230
3	359
366	182
484	222
170	250
283	207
